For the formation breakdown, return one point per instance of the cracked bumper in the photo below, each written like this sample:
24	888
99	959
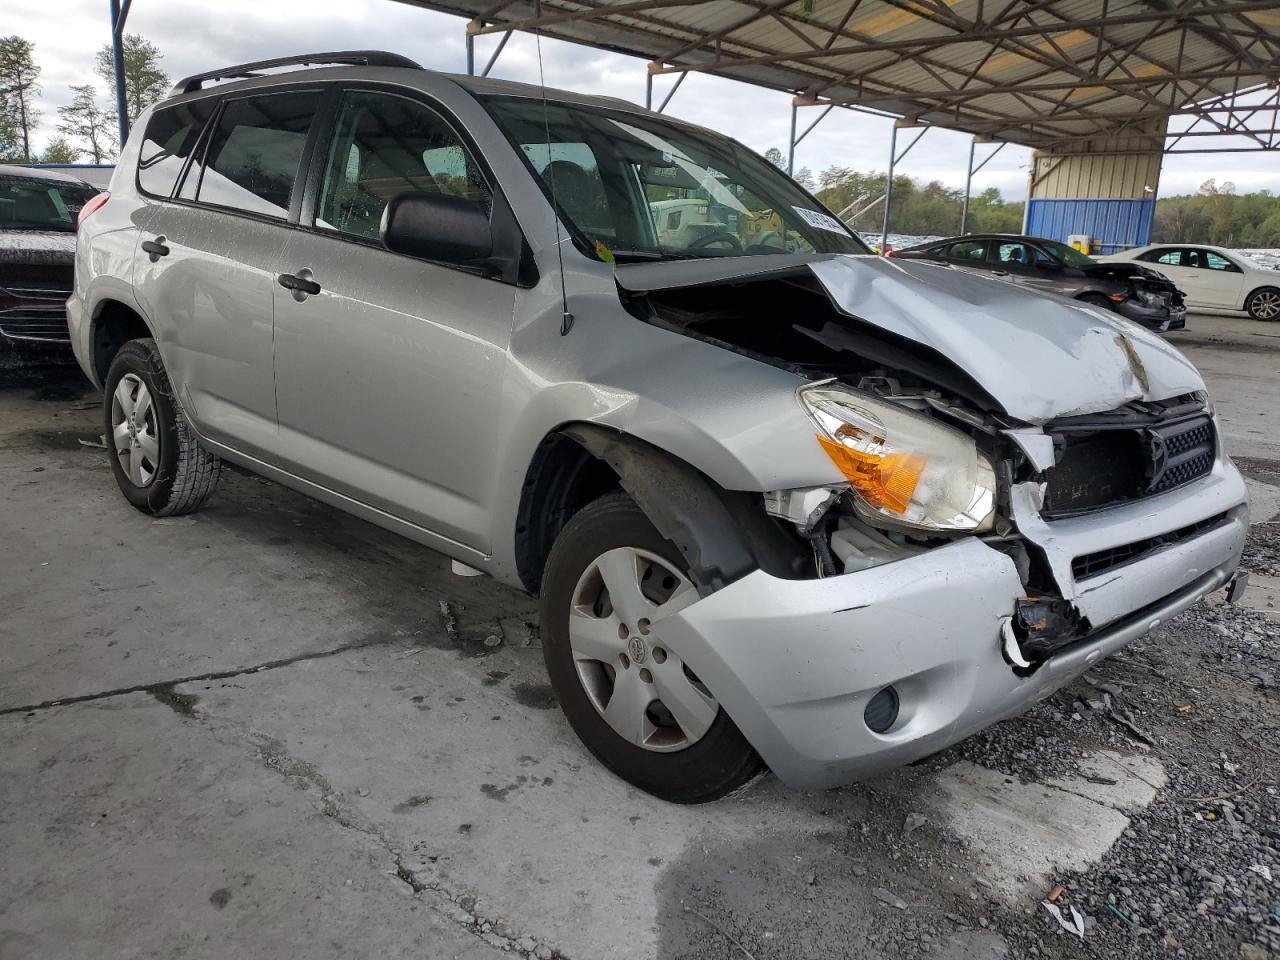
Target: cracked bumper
794	662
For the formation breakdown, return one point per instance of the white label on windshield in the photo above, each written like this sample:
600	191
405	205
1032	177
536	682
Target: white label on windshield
821	221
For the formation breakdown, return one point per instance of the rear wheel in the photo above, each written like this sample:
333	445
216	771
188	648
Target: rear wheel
158	463
609	583
1264	304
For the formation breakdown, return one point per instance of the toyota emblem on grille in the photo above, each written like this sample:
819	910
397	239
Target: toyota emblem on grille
1158	450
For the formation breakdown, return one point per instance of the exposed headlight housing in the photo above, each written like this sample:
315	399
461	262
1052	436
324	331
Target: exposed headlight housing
907	470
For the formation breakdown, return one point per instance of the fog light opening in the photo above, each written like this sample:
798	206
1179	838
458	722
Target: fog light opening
882	711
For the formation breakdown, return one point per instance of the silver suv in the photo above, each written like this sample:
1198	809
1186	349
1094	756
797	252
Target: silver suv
784	503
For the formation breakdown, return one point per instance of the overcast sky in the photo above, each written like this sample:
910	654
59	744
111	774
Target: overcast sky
197	35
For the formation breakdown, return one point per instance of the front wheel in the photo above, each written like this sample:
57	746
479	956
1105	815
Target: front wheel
609	583
1264	304
158	463
1099	301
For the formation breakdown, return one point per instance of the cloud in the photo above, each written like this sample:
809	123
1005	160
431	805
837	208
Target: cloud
196	36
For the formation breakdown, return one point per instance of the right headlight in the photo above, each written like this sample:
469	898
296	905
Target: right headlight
904	467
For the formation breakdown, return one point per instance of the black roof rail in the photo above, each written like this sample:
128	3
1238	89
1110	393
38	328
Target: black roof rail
365	58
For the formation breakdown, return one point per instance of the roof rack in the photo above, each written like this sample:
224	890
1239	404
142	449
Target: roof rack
366	58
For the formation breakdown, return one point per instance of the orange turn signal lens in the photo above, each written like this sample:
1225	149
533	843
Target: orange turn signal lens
885	481
1117	297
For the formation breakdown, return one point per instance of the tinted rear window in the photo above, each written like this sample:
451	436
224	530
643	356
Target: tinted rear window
171	136
255	151
36	203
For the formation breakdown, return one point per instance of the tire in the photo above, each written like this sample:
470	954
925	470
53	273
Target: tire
1264	304
679	762
158	462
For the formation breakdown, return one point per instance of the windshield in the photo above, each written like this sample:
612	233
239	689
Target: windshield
33	203
639	188
1068	255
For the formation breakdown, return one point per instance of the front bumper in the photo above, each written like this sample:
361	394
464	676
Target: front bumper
1154	317
794	662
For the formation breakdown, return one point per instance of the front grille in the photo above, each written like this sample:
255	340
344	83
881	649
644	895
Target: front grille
1128	454
37	291
34	310
1093	564
1188	454
34	324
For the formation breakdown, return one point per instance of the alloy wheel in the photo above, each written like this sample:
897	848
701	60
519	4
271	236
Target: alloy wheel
135	436
1266	305
641	688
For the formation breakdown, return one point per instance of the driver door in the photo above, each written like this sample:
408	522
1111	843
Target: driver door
388	377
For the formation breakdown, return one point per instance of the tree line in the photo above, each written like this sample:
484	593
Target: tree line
1214	215
87	127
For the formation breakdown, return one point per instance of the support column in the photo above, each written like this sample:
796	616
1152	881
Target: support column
888	188
791	143
894	157
968	180
968	184
118	18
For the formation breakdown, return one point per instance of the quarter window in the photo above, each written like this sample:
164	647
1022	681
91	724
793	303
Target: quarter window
171	135
255	151
386	145
1170	258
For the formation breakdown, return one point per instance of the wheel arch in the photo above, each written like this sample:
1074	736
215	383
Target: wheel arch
722	534
114	323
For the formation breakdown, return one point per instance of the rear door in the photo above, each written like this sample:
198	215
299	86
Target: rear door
208	281
389	377
1169	261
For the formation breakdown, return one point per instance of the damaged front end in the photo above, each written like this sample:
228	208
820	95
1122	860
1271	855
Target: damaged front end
938	444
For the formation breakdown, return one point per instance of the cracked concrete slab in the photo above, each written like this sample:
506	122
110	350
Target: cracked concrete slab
1022	834
188	847
485	800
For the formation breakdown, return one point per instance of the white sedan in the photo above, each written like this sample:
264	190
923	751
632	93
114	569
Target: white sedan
1213	277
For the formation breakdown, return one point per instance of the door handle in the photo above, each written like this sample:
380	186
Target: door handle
999	273
300	283
156	248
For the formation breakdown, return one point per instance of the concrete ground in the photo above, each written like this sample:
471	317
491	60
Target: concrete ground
254	733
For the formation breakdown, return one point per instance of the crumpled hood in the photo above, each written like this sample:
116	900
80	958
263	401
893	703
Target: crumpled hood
1126	269
1039	356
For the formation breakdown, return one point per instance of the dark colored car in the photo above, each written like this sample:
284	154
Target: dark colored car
38	212
1132	290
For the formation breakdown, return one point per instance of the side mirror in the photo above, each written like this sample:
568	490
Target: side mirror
436	227
1047	266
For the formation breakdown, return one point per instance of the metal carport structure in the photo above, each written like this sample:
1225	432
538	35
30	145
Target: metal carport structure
1076	80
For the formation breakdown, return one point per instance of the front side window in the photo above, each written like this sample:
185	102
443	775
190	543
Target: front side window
255	151
1216	262
172	133
385	145
633	187
38	203
1065	253
1013	254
